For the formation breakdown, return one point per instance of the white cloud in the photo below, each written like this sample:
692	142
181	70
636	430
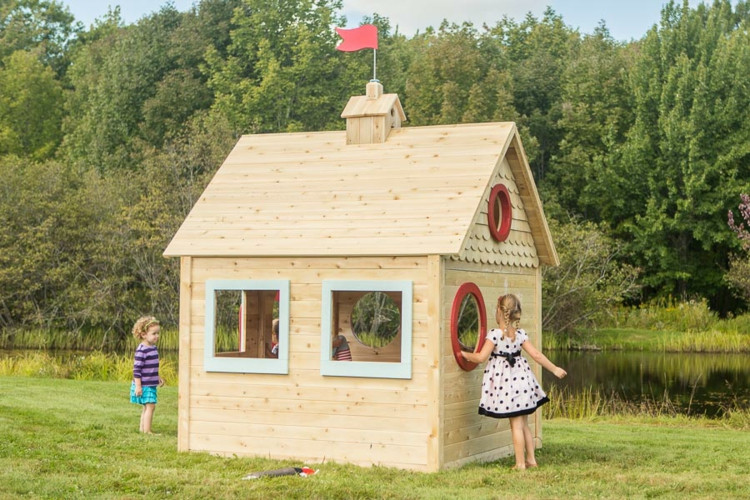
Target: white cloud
413	15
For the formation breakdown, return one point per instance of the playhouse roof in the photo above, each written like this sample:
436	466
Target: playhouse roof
311	194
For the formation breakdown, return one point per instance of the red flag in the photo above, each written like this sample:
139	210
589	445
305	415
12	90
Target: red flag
364	37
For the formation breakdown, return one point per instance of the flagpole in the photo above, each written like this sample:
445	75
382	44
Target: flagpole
374	64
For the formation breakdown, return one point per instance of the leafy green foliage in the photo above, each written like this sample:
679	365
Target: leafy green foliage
683	158
108	135
595	117
41	243
40	26
589	280
30	107
281	68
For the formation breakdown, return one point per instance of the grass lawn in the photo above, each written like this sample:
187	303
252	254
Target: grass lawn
78	439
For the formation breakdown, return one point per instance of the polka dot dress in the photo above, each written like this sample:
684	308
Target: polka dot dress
509	391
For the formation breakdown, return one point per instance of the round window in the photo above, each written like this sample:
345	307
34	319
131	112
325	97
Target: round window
376	319
499	213
468	323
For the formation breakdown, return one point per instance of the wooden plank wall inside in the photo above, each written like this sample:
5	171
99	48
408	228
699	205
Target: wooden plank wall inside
303	415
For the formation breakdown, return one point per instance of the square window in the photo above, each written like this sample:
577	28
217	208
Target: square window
366	329
247	326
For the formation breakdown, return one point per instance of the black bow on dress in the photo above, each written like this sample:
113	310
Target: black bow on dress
510	357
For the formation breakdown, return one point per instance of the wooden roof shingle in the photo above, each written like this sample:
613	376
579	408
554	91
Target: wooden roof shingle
311	194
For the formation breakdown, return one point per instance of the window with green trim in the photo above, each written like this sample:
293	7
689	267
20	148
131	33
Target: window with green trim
366	328
247	326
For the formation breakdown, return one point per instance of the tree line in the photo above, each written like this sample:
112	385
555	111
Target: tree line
108	134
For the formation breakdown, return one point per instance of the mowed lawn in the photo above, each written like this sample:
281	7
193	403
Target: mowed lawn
75	439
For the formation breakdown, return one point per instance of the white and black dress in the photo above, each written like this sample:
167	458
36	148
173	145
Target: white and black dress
509	388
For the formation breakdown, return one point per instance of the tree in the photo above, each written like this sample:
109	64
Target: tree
282	72
441	80
589	279
183	90
30	107
596	116
45	27
137	86
163	193
46	228
687	153
112	77
537	52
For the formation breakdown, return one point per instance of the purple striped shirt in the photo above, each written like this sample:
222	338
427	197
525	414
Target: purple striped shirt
146	365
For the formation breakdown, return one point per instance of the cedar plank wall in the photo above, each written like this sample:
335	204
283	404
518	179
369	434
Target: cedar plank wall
496	268
468	436
304	415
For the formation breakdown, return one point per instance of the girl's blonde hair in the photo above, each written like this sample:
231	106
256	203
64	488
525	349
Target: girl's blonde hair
142	325
510	305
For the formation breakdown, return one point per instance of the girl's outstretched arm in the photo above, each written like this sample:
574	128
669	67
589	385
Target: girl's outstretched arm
482	355
540	358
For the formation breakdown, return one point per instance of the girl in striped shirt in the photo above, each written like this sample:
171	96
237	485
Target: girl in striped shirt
146	369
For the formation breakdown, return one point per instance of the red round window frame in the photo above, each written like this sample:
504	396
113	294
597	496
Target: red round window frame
463	291
500	229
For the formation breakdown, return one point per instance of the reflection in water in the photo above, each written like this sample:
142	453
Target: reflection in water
695	383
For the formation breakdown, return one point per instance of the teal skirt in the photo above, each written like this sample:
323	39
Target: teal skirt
148	395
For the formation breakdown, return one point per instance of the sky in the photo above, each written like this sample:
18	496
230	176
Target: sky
626	20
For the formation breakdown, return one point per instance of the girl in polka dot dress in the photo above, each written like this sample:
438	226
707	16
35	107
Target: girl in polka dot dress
509	388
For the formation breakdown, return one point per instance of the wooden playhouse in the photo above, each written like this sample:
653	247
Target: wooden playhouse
427	225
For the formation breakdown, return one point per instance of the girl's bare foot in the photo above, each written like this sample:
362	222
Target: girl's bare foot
531	464
518	467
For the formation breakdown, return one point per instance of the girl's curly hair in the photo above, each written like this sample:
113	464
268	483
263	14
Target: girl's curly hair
142	325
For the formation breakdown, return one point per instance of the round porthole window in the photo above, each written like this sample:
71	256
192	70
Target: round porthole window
499	213
468	323
376	319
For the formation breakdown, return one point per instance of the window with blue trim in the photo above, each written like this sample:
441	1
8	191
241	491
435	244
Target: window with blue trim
366	329
247	326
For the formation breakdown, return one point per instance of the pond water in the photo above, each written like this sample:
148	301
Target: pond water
695	383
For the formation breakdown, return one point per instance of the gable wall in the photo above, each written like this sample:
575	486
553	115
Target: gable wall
467	436
518	249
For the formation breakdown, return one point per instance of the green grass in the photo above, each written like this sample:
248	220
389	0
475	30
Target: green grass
94	365
659	326
669	313
79	340
642	339
79	439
